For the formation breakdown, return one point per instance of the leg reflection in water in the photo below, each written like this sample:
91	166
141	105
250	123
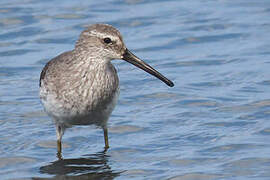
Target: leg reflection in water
93	166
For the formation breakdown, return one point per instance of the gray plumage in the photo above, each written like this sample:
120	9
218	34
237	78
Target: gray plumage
81	87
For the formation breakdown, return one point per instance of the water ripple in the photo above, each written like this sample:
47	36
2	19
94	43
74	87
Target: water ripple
213	124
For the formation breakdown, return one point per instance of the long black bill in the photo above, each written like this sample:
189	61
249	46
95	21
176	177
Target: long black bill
131	58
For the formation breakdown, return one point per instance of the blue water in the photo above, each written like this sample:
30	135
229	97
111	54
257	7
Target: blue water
214	124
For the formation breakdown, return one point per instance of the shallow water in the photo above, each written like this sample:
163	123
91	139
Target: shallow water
214	124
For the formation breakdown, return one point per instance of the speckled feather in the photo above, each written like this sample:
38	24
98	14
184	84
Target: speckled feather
80	87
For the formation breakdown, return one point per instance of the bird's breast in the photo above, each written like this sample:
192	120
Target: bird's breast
84	96
97	88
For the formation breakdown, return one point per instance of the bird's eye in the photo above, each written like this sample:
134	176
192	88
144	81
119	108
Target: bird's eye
107	40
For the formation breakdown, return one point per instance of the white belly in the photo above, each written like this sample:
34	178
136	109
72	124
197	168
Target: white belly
67	115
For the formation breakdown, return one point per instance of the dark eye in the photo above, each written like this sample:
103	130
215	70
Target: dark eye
107	40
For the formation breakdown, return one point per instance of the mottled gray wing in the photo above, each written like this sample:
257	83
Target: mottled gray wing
66	56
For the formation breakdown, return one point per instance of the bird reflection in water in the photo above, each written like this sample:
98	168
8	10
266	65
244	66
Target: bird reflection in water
92	166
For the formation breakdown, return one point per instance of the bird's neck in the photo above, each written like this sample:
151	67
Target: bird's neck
89	64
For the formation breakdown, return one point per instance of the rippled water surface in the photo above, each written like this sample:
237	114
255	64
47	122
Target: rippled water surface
214	124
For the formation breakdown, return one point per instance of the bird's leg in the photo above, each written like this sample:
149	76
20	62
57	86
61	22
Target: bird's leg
59	133
59	150
105	130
